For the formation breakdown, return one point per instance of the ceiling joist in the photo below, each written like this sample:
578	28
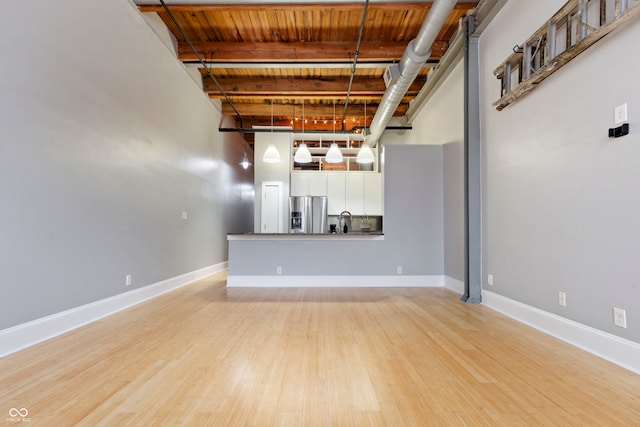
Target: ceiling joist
299	51
308	87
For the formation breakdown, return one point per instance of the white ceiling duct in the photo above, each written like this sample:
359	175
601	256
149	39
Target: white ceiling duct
414	57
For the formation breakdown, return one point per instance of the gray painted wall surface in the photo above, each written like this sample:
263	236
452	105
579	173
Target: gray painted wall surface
412	226
453	181
98	158
441	122
413	211
561	200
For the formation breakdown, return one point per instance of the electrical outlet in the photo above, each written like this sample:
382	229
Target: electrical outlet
399	269
562	299
619	317
127	280
184	215
279	269
490	279
620	113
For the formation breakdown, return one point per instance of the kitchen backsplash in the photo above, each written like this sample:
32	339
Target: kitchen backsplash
357	222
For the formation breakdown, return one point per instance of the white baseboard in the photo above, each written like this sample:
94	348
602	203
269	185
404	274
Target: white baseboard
27	334
610	347
454	284
399	281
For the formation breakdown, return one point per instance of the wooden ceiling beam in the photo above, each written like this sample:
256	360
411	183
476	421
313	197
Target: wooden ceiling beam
299	51
290	110
268	7
301	87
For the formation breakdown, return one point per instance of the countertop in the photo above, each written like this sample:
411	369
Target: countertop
356	235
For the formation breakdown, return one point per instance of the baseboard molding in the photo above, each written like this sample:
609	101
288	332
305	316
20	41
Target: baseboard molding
19	337
610	347
454	284
283	281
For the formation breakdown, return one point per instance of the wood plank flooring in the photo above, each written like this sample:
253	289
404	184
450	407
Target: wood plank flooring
210	355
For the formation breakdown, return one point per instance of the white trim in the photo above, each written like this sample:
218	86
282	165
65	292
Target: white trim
27	334
399	281
454	284
610	347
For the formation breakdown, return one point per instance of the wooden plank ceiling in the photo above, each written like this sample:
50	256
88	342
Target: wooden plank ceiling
281	57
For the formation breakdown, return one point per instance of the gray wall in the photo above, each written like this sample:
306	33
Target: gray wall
561	200
441	122
453	182
413	232
105	141
413	210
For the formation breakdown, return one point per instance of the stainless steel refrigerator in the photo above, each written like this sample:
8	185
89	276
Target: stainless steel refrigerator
308	214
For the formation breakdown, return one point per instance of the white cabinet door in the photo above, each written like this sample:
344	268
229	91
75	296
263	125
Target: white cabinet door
335	193
299	184
357	192
354	193
373	194
308	184
317	184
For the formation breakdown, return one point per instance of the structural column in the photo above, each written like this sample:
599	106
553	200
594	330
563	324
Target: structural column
472	166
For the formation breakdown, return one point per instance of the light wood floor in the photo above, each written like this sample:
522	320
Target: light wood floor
208	355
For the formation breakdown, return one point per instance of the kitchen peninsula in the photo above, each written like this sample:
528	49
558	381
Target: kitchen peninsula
410	251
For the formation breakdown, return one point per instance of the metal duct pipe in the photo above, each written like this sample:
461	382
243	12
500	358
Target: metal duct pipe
415	55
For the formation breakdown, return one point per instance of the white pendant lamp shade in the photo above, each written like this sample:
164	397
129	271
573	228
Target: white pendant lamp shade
303	155
271	155
334	155
365	155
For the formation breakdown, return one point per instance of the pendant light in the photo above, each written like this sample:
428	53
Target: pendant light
271	155
245	163
303	155
365	155
334	155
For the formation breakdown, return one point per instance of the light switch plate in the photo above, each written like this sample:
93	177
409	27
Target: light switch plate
619	317
620	113
562	298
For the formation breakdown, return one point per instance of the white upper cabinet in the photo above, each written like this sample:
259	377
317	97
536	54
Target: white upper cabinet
308	184
336	193
373	194
354	193
358	193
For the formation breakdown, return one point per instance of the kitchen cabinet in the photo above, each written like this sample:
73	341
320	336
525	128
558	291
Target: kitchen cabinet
373	194
336	193
354	193
357	192
308	184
